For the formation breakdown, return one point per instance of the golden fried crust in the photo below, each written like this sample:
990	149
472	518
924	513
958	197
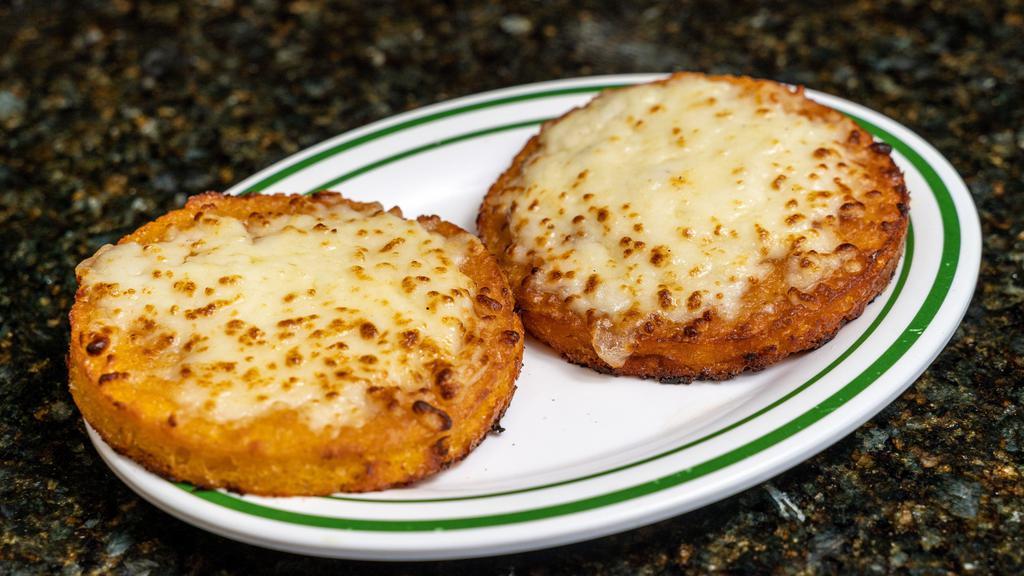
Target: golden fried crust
777	320
276	453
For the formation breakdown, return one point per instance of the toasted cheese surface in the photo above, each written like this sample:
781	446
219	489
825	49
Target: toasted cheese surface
286	311
676	197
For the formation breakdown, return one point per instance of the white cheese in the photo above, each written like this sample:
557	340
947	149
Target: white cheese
672	198
301	312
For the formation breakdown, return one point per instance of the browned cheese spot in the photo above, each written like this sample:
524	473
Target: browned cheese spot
144	324
163	342
204	311
489	302
224	366
410	338
104	378
252	336
367	330
421	407
762	234
440	448
880	148
392	244
186	286
798	297
444	379
97	345
592	281
665	299
193	340
297	321
694	301
852	210
659	255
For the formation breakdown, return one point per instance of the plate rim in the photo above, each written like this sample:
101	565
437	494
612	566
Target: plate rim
963	214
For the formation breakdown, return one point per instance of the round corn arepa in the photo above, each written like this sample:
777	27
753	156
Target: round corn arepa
695	227
291	345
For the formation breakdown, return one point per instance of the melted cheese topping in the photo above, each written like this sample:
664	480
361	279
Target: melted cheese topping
303	312
673	198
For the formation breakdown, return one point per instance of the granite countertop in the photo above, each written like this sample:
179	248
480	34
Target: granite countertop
113	112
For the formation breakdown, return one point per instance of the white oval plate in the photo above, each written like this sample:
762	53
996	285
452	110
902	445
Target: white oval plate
585	455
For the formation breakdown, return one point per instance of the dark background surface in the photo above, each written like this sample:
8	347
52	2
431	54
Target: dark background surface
112	113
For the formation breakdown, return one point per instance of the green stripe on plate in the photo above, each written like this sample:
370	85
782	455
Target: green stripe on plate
425	148
287	171
930	306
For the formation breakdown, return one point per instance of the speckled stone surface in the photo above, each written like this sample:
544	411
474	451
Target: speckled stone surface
112	112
